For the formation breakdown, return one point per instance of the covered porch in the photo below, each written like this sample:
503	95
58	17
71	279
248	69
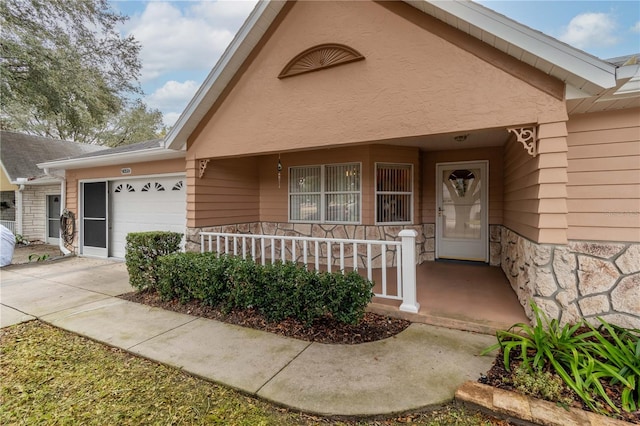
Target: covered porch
467	296
471	296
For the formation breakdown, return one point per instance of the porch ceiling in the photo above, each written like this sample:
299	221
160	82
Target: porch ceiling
459	140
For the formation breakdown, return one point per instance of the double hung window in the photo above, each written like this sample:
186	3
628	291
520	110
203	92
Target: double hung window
327	193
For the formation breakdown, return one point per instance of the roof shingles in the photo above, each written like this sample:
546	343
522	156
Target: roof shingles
20	153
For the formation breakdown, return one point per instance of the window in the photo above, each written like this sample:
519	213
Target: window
394	193
328	193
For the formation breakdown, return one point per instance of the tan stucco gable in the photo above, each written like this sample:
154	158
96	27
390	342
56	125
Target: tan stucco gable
419	77
5	183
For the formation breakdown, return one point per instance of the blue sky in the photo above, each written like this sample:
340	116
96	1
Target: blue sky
182	40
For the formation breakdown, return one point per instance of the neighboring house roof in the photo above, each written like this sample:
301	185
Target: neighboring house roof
585	75
151	150
20	153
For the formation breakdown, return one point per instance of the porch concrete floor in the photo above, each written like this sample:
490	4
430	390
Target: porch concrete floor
460	295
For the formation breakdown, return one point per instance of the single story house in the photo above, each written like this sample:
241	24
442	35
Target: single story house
31	201
487	140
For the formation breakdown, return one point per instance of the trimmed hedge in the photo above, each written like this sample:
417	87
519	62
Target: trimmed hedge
278	291
142	252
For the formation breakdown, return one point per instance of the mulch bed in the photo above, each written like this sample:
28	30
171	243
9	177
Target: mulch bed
499	377
324	330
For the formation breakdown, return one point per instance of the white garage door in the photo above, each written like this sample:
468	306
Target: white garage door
151	204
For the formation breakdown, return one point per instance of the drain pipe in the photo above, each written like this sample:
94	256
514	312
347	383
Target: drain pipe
63	204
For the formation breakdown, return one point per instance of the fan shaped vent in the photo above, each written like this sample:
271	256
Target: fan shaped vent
320	57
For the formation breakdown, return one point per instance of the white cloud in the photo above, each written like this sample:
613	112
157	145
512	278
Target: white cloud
170	118
189	38
172	98
589	30
636	27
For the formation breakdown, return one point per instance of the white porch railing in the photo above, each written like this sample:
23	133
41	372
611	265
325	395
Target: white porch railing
329	252
9	224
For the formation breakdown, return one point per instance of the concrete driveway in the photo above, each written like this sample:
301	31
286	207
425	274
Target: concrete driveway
39	289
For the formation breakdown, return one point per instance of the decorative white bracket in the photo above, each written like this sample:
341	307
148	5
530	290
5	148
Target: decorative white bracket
203	167
528	137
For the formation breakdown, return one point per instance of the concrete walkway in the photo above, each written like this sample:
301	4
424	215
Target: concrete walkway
420	367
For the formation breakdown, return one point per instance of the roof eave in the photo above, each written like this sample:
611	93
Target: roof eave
142	156
42	180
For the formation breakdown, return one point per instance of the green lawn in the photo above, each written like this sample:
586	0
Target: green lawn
49	376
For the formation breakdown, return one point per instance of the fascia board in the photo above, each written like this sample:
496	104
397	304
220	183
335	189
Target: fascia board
38	182
575	61
229	63
628	71
141	156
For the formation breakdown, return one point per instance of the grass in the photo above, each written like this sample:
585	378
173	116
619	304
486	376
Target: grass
50	376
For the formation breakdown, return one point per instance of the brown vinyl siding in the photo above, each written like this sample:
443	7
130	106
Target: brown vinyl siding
228	192
535	194
492	154
520	191
604	176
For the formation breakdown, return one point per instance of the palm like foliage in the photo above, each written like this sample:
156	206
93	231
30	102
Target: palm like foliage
587	361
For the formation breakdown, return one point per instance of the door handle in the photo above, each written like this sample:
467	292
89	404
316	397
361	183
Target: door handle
439	211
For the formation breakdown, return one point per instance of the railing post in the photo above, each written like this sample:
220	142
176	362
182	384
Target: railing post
409	291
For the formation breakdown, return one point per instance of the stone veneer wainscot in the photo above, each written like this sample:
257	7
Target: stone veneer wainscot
584	279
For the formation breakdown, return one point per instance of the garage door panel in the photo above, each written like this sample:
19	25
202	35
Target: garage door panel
150	204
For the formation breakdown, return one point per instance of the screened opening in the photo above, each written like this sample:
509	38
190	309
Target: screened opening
328	193
394	193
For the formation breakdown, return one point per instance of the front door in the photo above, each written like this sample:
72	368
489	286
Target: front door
94	219
53	219
461	211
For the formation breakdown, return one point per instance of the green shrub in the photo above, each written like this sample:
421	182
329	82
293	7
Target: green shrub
278	291
142	252
347	295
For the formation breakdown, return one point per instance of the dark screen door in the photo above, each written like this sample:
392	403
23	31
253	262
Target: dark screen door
94	218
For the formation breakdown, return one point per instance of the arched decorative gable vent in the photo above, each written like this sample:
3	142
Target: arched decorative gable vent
320	57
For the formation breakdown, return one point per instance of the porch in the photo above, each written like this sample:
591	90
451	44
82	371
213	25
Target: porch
461	295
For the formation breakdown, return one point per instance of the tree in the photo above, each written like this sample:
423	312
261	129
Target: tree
134	124
65	71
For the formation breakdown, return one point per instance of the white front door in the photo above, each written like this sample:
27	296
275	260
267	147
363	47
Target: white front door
462	211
